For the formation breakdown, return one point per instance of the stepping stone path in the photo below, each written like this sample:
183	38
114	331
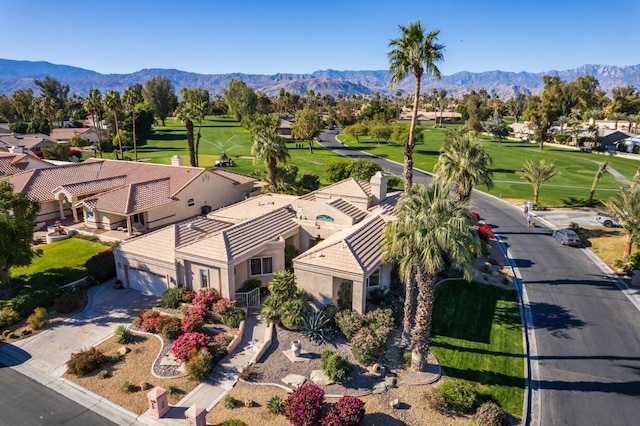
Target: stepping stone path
319	378
294	380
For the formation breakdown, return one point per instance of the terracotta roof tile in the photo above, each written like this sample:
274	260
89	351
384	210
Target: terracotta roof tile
236	178
93	186
133	198
12	163
354	212
66	134
348	188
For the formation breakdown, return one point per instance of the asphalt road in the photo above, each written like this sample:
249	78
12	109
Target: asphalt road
25	402
586	332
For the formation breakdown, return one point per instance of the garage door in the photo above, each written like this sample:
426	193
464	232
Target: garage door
147	282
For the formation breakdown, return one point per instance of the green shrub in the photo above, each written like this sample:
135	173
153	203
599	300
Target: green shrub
199	366
406	358
349	323
336	170
67	303
230	402
275	405
172	330
334	366
233	317
458	395
233	422
310	182
103	374
38	319
129	387
292	313
434	399
102	266
8	317
85	361
249	285
28	299
172	298
172	390
490	414
123	335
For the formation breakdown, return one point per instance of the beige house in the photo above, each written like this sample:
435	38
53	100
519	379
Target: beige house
32	142
137	197
338	239
65	134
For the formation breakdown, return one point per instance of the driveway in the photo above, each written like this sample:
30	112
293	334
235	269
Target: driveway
43	357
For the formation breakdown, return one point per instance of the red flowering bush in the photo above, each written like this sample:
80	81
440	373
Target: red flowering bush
191	323
187	295
197	309
485	232
207	298
150	319
304	405
348	411
475	216
221	341
185	346
223	305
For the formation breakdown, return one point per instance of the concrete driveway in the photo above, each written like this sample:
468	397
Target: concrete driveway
43	357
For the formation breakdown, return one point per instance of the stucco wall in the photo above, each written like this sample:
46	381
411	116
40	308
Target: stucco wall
319	286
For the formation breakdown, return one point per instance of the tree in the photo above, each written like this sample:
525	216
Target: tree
356	130
496	126
477	108
635	181
413	53
194	106
53	89
307	126
93	104
602	168
17	216
131	97
58	151
160	94
363	169
537	172
431	231
23	103
625	206
240	98
464	163
336	170
113	104
186	115
540	117
380	131
516	105
268	146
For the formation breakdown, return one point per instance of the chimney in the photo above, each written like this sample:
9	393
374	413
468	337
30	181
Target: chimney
16	149
379	187
176	160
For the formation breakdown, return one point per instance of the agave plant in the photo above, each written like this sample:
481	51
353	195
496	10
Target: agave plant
317	327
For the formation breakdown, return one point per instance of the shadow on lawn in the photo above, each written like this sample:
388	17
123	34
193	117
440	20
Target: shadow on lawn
484	377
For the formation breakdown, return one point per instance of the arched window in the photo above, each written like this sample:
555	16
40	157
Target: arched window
324	218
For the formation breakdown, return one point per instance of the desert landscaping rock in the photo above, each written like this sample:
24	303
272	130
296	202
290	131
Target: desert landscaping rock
379	388
319	378
303	357
294	380
395	403
123	350
390	382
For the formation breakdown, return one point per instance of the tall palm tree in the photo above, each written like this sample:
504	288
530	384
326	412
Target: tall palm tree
268	146
463	162
537	172
602	168
113	104
635	181
413	53
625	206
131	97
93	105
195	105
431	230
186	114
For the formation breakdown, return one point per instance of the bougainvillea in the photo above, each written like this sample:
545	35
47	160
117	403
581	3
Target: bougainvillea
348	411
475	216
221	341
206	297
485	232
304	405
192	323
188	344
223	305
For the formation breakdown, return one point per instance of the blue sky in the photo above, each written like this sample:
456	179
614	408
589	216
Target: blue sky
266	37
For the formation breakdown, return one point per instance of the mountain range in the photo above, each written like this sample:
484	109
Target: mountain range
20	75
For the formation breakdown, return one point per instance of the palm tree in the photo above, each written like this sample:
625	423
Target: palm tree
601	169
617	116
625	206
431	230
197	102
113	104
131	97
93	104
268	145
186	114
537	172
635	181
464	163
413	53
563	120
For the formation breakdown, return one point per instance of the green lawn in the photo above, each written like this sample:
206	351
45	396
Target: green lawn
569	188
477	336
61	262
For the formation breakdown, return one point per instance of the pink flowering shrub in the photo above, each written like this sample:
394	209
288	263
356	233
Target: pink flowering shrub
303	406
187	295
485	232
348	411
369	344
150	319
197	309
185	346
192	323
221	341
349	323
223	305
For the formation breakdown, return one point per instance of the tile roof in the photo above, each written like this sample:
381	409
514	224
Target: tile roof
356	213
65	134
257	206
357	249
240	238
160	245
93	186
133	198
388	205
26	140
12	163
348	188
236	178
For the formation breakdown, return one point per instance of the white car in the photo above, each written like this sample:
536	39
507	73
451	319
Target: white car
607	221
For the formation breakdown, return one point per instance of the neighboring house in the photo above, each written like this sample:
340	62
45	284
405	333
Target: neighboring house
109	194
609	139
17	160
339	240
65	134
285	129
32	142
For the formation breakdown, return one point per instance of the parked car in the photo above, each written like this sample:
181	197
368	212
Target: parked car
607	220
567	237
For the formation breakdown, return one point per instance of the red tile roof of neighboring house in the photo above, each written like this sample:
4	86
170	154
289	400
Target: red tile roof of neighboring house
12	163
66	134
133	198
236	178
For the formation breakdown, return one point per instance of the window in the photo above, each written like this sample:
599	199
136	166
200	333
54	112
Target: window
374	279
138	218
191	202
89	214
261	265
204	278
324	218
